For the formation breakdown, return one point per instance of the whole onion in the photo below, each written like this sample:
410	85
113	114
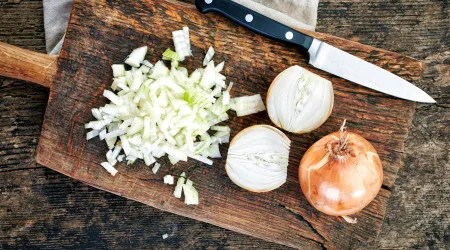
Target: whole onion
341	173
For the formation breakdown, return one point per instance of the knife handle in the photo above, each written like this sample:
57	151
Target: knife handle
256	22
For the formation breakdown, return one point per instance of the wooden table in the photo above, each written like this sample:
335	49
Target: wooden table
41	208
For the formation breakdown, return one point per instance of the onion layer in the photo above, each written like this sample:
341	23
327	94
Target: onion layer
341	173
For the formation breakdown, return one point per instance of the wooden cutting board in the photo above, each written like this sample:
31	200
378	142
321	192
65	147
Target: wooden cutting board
104	32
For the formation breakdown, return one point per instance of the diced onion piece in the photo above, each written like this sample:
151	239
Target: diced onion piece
173	160
214	151
182	44
222	137
168	179
226	98
190	194
179	187
170	55
136	126
159	70
125	144
91	134
121	83
176	153
116	152
156	168
149	159
102	134
128	77
147	63
118	70
202	159
187	39
219	67
226	95
221	128
111	142
247	105
109	168
115	133
96	113
138	79
136	57
165	236
97	125
144	69
112	97
209	55
208	77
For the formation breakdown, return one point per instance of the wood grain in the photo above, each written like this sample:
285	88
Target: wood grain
27	65
101	33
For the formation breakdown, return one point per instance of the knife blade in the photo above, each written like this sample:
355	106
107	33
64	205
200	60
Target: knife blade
322	55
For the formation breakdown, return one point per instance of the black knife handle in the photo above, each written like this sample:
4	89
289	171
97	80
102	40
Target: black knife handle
254	21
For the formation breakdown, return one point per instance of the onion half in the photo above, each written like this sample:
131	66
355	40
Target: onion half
258	158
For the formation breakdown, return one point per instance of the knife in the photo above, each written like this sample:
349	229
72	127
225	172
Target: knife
322	55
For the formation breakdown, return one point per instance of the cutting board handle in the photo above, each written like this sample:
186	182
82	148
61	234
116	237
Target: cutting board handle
27	65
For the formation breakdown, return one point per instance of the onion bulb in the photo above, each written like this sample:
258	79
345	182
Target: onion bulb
299	101
258	158
341	173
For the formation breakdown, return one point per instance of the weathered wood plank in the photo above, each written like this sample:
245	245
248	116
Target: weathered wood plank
102	34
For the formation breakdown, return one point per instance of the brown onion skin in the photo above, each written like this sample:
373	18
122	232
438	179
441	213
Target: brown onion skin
351	184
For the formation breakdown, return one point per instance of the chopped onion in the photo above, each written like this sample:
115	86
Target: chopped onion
91	134
148	64
118	70
112	97
102	134
187	39
179	187
190	193
202	159
96	113
182	43
247	105
156	168
168	179
209	55
136	57
109	168
214	151
156	110
219	67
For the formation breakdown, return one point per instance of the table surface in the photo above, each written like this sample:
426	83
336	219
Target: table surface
42	208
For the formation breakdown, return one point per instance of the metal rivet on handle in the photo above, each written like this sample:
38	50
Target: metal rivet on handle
249	18
289	35
208	1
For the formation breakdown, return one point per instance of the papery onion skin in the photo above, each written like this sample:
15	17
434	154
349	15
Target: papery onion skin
299	101
346	182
